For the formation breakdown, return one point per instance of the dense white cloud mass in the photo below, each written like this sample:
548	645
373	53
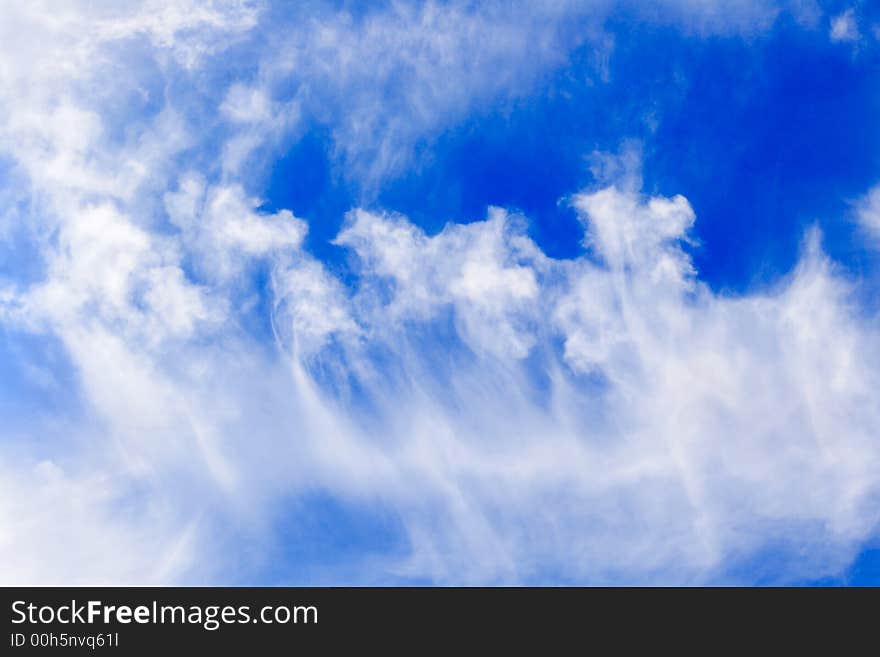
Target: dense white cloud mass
599	419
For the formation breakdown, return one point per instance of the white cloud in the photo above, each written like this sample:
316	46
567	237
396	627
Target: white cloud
868	212
389	81
477	269
720	423
314	305
844	27
222	228
386	79
518	414
52	522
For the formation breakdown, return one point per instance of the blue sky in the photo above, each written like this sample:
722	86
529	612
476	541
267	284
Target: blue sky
782	122
442	293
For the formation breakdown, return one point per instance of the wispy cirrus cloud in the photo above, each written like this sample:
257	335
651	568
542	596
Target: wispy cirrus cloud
608	417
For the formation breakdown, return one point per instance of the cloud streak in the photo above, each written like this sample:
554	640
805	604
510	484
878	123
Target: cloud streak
601	419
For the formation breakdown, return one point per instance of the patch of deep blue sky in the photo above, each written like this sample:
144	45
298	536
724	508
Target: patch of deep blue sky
766	136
